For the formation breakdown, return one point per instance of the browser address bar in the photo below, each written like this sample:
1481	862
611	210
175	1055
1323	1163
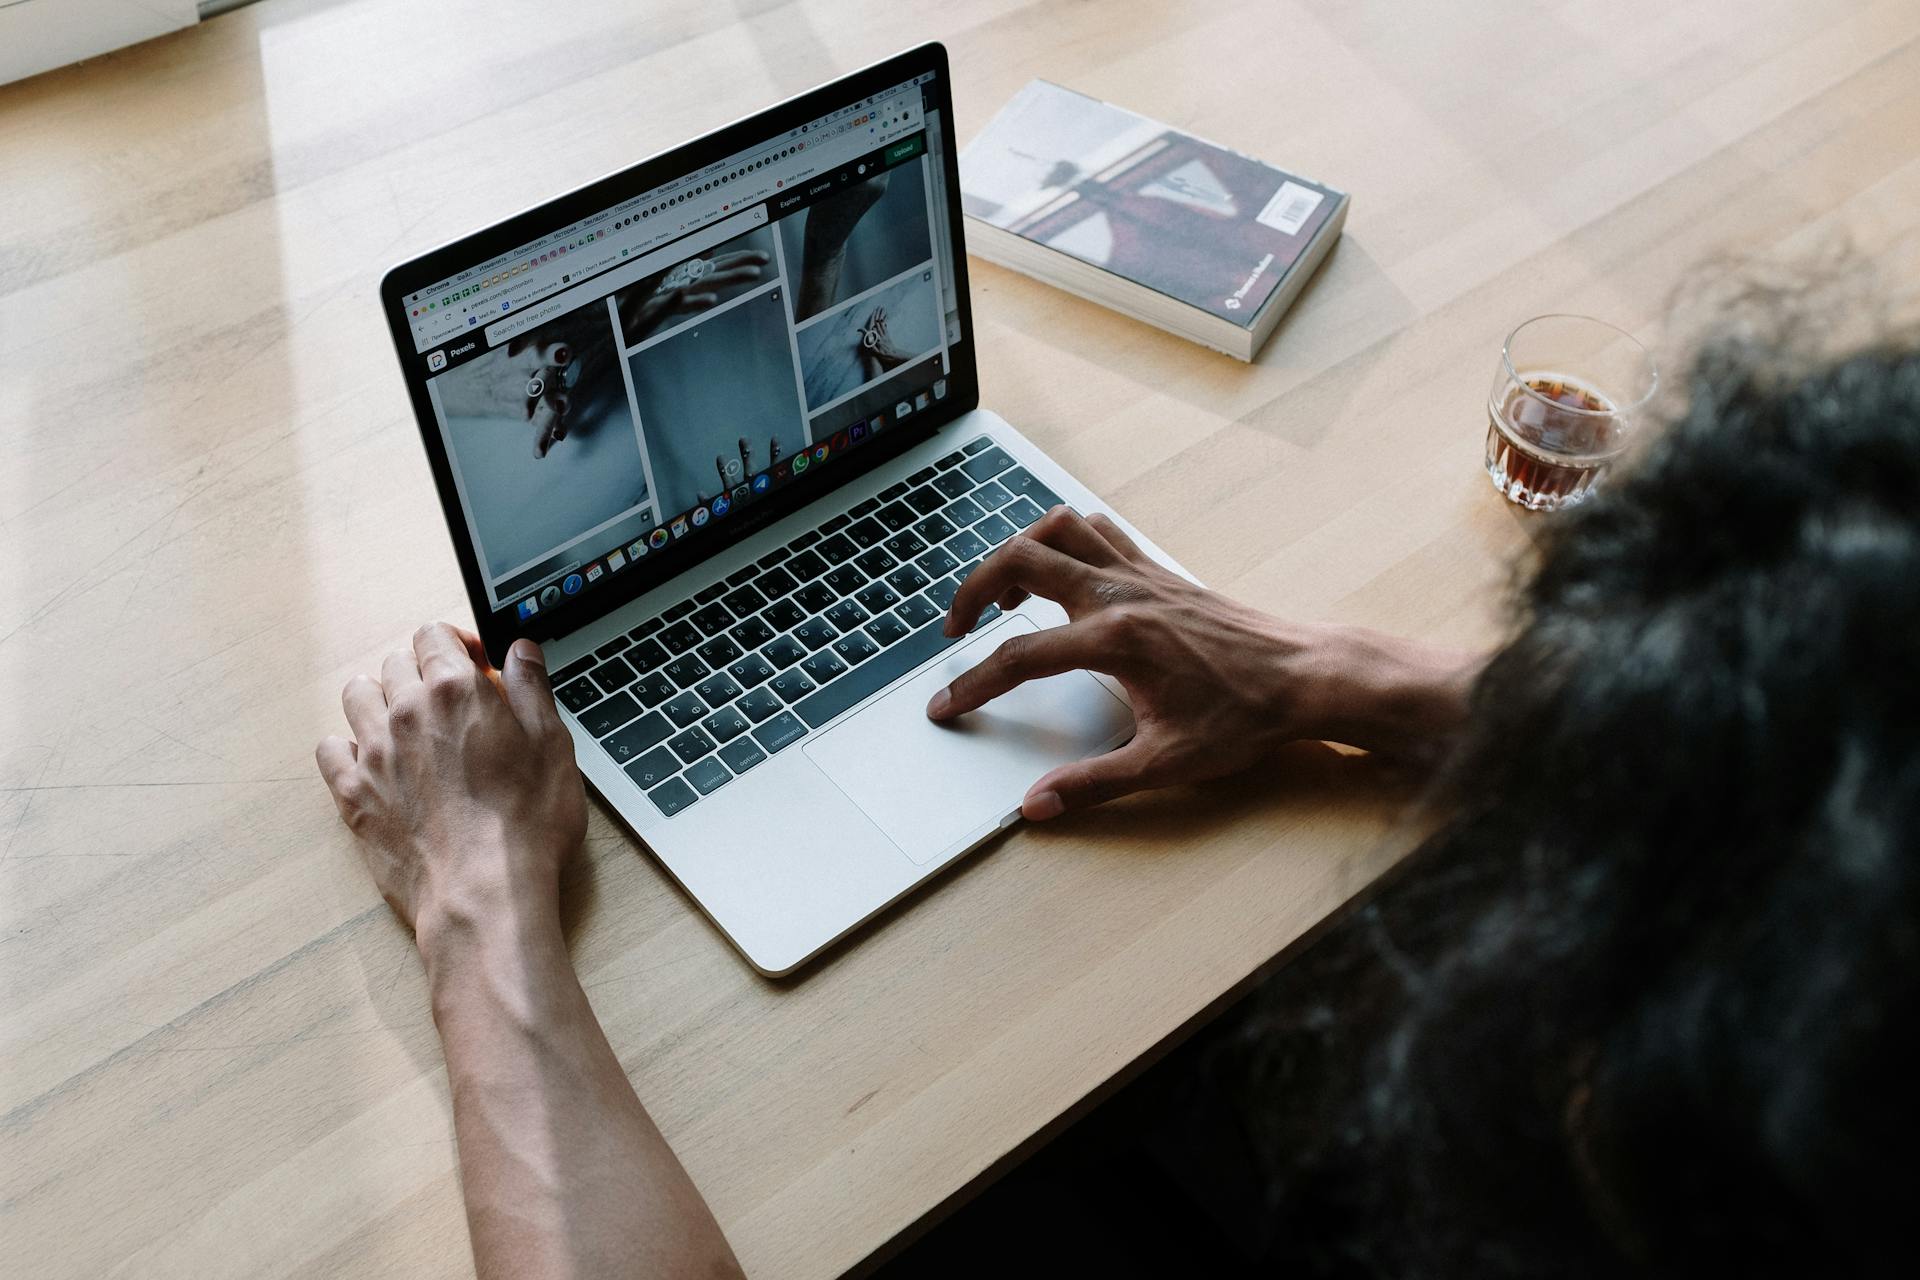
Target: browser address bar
619	278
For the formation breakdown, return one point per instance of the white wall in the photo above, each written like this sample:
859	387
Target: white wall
38	35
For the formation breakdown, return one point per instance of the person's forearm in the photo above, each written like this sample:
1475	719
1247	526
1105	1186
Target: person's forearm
1387	694
563	1171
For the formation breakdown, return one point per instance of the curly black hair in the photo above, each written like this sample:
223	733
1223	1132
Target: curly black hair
1649	987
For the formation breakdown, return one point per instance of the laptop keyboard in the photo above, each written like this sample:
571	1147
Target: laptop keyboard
692	698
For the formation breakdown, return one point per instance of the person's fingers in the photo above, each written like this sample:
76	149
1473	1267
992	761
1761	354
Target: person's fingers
1092	781
1021	564
366	709
555	354
336	757
698	301
476	648
1033	655
741	258
1108	528
442	653
732	275
546	425
524	678
1065	529
399	670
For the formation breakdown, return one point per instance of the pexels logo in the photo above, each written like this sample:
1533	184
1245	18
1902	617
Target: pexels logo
1260	269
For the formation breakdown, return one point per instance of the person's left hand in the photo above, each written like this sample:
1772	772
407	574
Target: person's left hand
644	309
463	792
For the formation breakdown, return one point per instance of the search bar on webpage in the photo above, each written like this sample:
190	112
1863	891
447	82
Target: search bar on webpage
646	264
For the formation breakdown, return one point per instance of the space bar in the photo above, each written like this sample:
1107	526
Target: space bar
879	671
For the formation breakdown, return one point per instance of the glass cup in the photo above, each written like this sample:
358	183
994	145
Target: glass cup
1565	399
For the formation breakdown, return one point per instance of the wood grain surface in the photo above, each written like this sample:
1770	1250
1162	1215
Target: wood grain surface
215	1052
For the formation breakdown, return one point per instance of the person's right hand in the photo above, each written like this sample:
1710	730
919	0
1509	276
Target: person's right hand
1216	686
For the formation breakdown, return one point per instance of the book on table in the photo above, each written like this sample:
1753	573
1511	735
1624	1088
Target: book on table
1157	224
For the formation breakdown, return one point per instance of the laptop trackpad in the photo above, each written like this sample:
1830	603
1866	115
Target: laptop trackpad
930	786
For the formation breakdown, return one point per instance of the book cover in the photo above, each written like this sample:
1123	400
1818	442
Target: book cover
1209	227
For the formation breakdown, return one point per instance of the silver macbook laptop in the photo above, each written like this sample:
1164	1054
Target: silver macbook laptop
709	430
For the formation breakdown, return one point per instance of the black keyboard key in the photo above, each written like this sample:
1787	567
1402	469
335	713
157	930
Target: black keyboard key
743	601
896	517
671	796
614	675
652	688
759	704
752	633
741	755
991	495
653	768
836	524
685	670
961	512
713	619
804	541
751	670
905	545
710	593
1021	481
995	529
680	637
886	629
646	655
935	528
837	550
926	500
1022	512
719	651
578	695
870	677
782	615
792	685
874	561
966	545
953	459
725	724
918	611
855	648
846	579
953	483
866	508
907	579
988	463
937	563
814	597
876	597
976	444
960	574
823	666
784	652
677	612
893	491
923	475
774	583
638	738
708	776
781	731
773	558
691	745
806	566
943	592
739	576
647	628
603	717
847	614
815	633
867	532
612	647
685	709
573	669
718	689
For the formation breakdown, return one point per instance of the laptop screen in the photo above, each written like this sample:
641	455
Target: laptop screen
617	392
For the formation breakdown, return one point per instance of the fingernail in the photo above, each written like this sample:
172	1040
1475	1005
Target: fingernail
1045	805
527	651
938	704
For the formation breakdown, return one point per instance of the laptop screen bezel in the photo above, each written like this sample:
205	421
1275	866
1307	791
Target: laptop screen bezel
498	629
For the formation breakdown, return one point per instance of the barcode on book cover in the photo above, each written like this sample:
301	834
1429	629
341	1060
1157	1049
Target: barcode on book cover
1290	208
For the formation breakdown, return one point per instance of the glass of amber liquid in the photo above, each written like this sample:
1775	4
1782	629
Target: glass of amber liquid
1564	404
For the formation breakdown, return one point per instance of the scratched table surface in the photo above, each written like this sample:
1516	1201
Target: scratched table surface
215	1051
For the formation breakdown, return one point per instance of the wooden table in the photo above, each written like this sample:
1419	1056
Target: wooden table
214	508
